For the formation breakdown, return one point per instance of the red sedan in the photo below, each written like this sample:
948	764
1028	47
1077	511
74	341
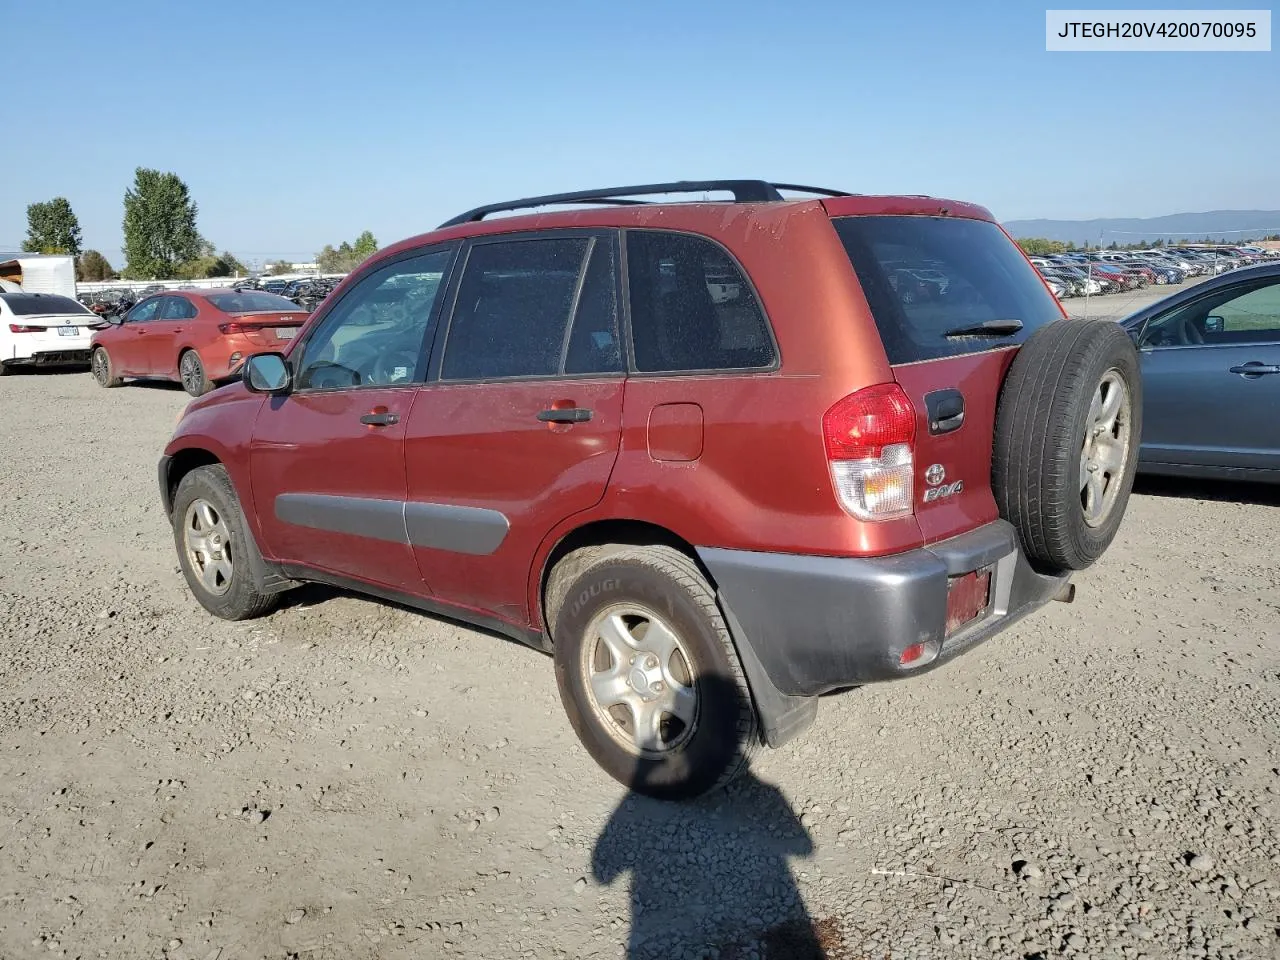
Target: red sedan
198	337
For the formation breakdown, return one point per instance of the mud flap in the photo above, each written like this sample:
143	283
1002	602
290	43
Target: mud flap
781	717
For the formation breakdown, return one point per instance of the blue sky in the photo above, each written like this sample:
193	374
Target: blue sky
298	124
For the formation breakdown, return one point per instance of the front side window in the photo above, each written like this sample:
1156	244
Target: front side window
1227	316
145	311
691	306
514	304
374	335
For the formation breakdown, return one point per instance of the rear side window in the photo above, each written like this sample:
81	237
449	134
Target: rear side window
928	279
533	308
691	306
177	308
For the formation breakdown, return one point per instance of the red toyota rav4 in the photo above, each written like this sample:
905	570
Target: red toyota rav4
717	458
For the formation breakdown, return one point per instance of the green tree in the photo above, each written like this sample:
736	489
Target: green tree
346	257
1039	246
364	248
207	265
52	227
279	268
159	226
93	266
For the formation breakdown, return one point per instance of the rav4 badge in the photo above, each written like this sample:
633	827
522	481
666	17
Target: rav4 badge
937	490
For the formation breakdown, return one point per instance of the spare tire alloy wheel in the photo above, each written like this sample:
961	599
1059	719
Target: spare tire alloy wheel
1105	453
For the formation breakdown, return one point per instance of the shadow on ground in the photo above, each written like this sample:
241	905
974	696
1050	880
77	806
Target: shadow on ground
1223	491
712	877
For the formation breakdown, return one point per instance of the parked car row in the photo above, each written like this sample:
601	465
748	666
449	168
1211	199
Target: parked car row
1117	271
306	292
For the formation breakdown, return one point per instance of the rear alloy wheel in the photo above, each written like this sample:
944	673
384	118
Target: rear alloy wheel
191	371
647	671
214	549
1068	429
100	364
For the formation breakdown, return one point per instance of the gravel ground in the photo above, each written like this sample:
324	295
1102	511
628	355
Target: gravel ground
348	779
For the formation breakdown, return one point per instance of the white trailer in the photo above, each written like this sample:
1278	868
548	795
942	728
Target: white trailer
39	273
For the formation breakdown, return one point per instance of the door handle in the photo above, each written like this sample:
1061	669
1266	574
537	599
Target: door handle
945	409
565	415
1255	368
380	419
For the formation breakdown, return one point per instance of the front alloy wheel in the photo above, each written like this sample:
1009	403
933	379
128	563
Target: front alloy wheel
207	541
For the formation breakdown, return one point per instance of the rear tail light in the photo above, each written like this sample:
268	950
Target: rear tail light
239	326
19	328
870	437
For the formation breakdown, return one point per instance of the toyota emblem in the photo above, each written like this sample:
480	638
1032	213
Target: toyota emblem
935	474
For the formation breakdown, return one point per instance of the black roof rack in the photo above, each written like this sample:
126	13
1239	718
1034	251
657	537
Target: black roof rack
744	191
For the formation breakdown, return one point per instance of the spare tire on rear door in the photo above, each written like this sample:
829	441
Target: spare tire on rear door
1068	425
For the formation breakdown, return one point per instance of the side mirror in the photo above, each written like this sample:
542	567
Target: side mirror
1214	324
267	373
115	318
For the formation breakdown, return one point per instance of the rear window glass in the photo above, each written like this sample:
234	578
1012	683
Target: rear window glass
927	277
40	304
250	301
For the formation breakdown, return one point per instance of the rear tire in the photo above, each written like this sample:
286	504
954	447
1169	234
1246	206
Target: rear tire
103	370
215	550
1068	428
647	671
191	373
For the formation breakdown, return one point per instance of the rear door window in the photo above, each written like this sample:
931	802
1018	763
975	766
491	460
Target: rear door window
535	307
177	308
691	306
928	279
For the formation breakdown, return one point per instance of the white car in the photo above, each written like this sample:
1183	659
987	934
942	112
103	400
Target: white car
44	329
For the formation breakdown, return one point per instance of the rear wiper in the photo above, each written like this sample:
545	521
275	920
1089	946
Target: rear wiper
988	328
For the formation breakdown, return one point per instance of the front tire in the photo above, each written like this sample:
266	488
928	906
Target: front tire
191	372
647	671
101	366
214	548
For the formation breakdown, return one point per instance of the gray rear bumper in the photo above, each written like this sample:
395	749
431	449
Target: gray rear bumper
805	625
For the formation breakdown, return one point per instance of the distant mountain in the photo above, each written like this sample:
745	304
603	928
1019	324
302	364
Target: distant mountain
1233	225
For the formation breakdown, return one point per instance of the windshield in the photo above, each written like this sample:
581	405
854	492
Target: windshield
925	277
43	304
250	301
